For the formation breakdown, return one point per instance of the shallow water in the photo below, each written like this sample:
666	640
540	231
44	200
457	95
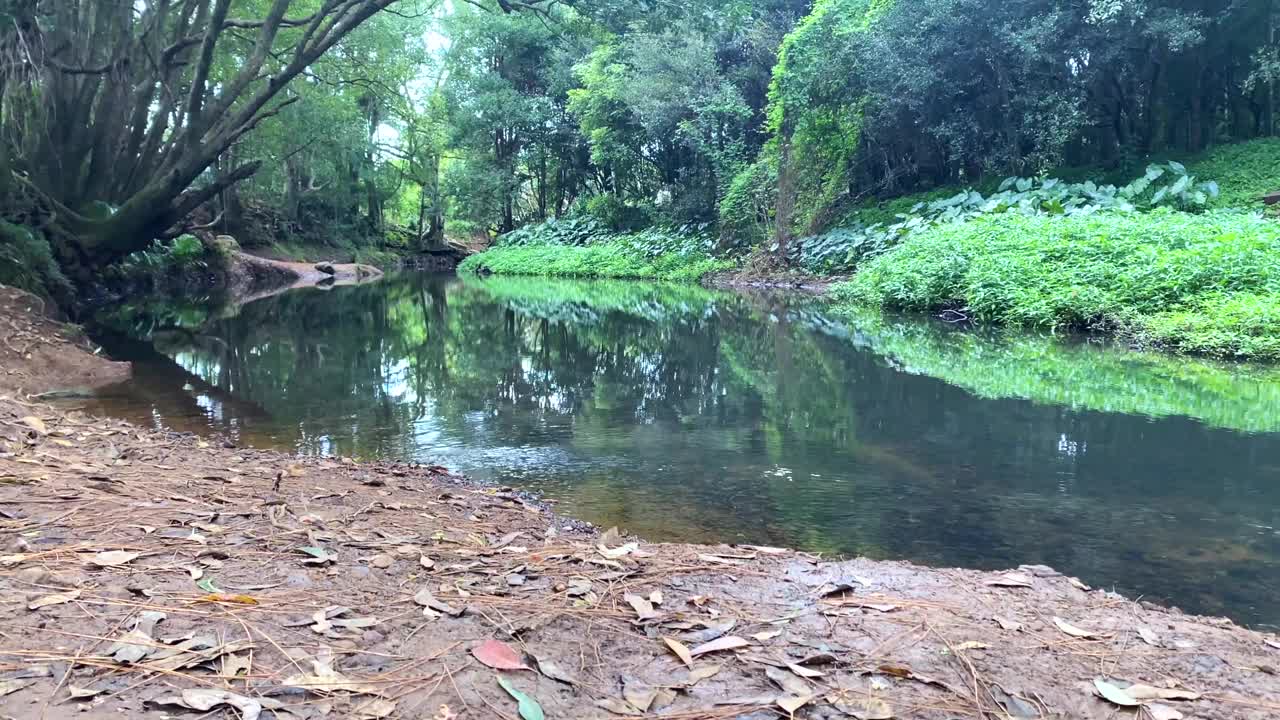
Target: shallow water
688	415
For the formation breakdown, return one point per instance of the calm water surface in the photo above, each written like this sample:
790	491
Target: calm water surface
683	414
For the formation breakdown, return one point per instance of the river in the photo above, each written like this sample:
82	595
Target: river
685	414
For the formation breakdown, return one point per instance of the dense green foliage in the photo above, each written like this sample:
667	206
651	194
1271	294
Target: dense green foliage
26	262
583	248
1203	283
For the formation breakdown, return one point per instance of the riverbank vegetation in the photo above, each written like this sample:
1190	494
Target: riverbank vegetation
597	138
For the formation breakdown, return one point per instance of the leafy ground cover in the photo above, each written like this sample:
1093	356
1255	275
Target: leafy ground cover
1191	283
582	247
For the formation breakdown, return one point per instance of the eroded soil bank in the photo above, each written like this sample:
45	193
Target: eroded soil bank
152	574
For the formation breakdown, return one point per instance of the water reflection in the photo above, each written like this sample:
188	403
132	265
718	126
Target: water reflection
685	414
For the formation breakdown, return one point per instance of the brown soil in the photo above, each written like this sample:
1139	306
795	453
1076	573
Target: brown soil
164	568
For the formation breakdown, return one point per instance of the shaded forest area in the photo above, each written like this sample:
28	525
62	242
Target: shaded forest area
391	125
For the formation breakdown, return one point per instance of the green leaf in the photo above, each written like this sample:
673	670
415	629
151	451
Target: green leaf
528	707
208	586
1114	694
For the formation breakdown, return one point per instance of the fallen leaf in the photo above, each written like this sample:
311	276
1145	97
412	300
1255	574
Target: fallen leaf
36	424
803	671
725	643
1149	637
860	706
790	683
498	655
1011	580
233	665
615	553
680	650
83	693
1163	712
208	586
224	598
711	633
1147	692
375	709
792	703
203	700
444	713
1072	630
644	609
8	687
972	645
1015	706
762	636
428	563
427	600
323	678
1075	583
697	675
1271	643
552	669
382	561
319	556
1007	624
638	695
618	707
55	599
1114	694
114	558
528	708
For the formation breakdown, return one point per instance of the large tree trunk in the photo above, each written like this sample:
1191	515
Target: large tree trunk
114	105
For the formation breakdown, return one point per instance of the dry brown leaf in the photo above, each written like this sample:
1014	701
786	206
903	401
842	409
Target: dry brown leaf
375	709
769	635
862	708
114	558
644	609
655	597
55	599
1162	712
680	650
1149	692
725	643
36	424
697	675
1011	580
972	645
8	687
203	700
1149	637
1007	624
618	706
804	672
792	703
1072	630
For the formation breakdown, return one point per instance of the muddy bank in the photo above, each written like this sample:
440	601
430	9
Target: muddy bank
153	574
751	279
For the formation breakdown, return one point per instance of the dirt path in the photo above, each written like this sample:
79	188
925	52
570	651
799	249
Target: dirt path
148	574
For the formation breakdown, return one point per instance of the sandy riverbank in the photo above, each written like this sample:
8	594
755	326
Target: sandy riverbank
151	574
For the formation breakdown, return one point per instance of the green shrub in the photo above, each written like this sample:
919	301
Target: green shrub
26	262
1164	185
578	249
1193	283
1246	171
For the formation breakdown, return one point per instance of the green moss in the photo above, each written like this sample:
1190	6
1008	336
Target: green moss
1189	283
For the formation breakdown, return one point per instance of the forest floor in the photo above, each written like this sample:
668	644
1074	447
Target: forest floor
147	573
